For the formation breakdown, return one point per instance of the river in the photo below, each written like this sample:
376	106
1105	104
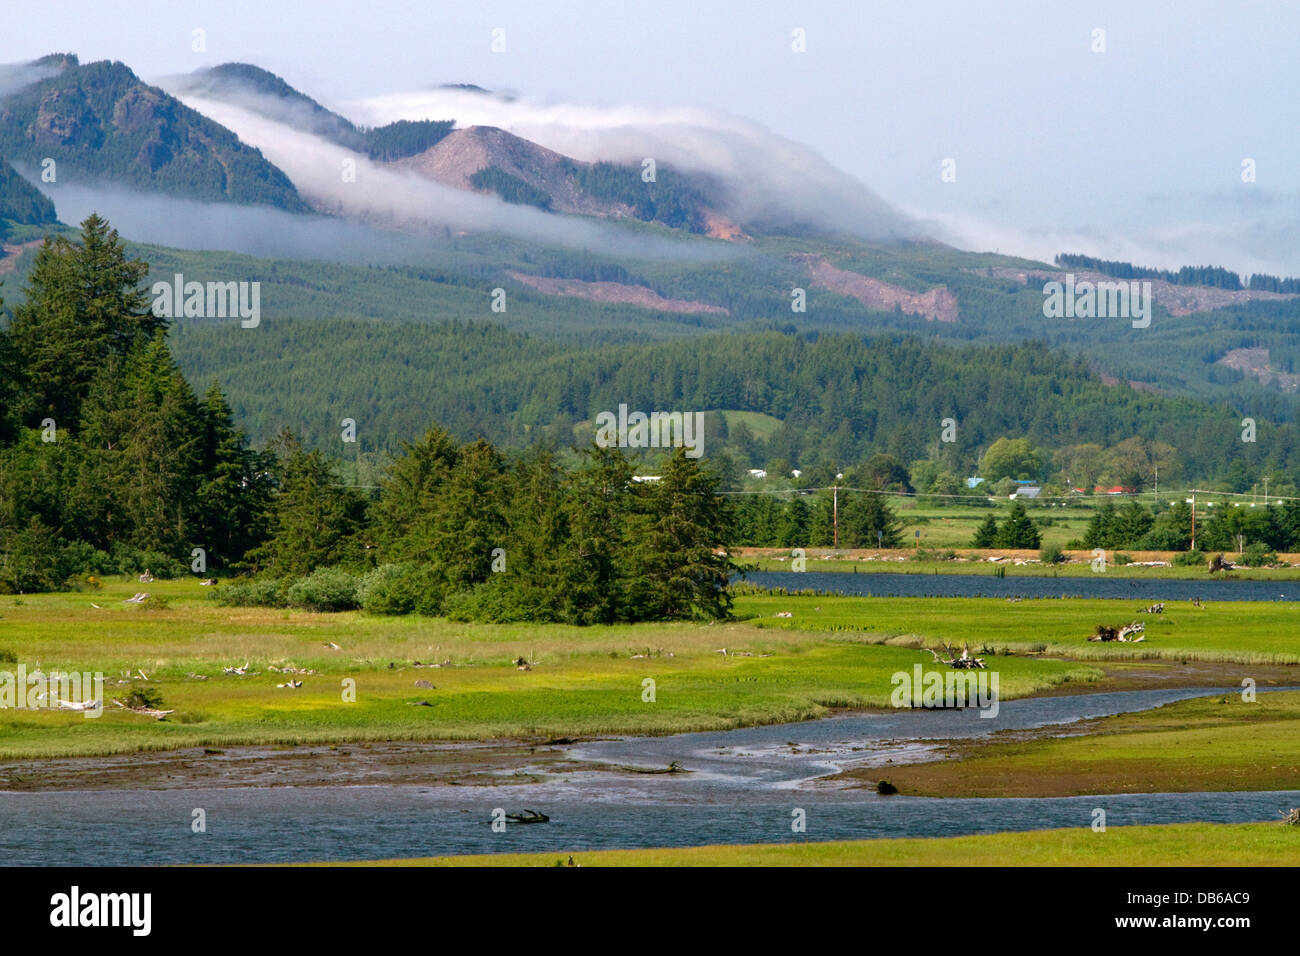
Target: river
744	787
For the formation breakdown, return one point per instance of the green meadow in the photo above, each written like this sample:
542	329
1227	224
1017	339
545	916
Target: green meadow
1258	632
1181	844
910	561
579	681
1209	744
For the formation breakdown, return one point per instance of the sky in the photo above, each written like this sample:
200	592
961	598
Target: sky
1133	152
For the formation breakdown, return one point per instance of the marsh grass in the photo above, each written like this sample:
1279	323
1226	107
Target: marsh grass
583	681
1179	844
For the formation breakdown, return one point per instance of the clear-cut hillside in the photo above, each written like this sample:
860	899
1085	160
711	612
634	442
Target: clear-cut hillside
488	159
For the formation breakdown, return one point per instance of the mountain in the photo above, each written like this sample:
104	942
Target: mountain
22	202
269	95
484	159
99	121
491	160
236	81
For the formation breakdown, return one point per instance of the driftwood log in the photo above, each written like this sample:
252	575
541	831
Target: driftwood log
528	816
1129	634
964	662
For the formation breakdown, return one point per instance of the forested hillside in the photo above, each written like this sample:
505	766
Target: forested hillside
99	122
20	201
282	102
840	397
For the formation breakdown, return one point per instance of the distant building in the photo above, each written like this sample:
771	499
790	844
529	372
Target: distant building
1114	490
796	472
757	473
646	477
1027	491
974	482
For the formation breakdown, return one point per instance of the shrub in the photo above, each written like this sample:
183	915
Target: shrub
258	592
1122	559
29	559
400	589
143	697
492	603
325	589
128	560
1050	554
1258	554
1189	559
82	559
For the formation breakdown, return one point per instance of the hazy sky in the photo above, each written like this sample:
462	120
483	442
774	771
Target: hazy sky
1135	152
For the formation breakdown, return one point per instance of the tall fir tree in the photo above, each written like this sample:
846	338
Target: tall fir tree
83	303
1017	531
678	566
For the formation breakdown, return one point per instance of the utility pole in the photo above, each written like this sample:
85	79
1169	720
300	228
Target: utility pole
1193	519
835	514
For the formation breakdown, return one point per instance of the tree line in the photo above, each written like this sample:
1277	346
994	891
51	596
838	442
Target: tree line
1214	276
110	463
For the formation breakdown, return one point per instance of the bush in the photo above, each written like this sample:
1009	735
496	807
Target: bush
29	559
325	589
82	559
487	603
400	589
128	560
258	592
1122	559
143	697
1258	554
1189	559
1050	554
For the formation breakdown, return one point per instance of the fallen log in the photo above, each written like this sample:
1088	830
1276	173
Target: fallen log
528	816
964	662
1124	635
674	767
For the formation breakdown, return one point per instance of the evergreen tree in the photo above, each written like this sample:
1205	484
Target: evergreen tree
1171	530
405	514
469	518
867	521
234	486
794	531
674	570
986	533
600	525
539	564
1102	528
1017	531
84	304
1132	522
312	521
